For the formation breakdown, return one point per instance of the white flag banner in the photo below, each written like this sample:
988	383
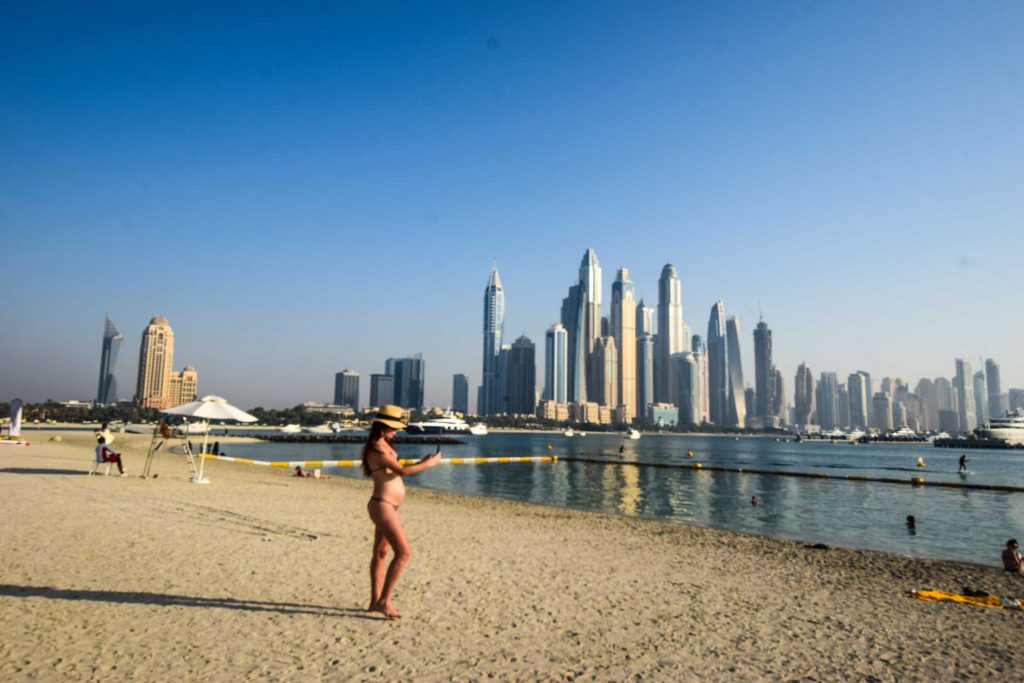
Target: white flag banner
15	418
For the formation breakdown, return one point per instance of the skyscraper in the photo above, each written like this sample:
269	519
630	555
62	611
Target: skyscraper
573	315
964	385
644	374
590	290
763	372
671	334
183	386
623	321
644	319
112	338
980	397
997	404
929	402
718	366
382	390
700	355
882	412
156	358
556	359
408	374
606	362
522	377
494	319
686	381
828	401
737	398
856	385
460	393
778	407
346	389
803	396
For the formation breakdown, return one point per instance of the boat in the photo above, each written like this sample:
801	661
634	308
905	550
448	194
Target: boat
1009	428
319	429
478	429
290	429
632	434
448	423
569	432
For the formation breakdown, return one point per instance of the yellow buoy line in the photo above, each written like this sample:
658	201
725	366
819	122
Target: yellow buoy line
913	481
352	463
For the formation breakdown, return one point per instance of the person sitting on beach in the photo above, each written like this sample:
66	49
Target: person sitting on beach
1012	561
299	472
380	462
106	454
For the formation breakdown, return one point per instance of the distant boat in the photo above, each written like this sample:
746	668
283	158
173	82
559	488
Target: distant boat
632	434
569	432
1009	428
193	428
290	429
478	429
319	429
446	424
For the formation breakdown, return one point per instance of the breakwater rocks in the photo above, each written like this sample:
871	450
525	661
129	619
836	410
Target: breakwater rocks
357	438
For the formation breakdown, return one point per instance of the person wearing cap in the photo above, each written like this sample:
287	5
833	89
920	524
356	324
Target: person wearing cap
380	463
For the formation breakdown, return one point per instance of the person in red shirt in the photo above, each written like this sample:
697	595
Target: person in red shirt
106	454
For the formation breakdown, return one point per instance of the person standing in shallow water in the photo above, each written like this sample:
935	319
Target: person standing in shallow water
380	463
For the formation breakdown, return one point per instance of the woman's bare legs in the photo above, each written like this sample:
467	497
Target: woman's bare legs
385	517
377	563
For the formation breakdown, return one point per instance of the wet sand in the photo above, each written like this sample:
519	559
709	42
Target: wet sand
261	575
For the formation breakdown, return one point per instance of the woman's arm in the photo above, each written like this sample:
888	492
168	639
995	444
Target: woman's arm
388	458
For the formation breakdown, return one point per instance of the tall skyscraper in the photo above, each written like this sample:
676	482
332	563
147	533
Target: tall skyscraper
494	319
980	397
856	385
590	289
944	394
718	366
623	321
644	319
460	393
997	404
828	401
156	358
183	386
964	385
112	338
929	403
556	359
778	407
700	356
844	405
346	389
686	381
803	396
408	376
573	316
882	412
382	390
737	399
644	374
763	372
606	362
521	377
671	333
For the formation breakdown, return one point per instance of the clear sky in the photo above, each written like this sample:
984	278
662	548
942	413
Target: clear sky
302	187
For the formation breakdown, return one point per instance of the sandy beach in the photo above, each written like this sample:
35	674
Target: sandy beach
263	576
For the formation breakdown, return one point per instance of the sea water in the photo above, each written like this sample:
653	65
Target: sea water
968	525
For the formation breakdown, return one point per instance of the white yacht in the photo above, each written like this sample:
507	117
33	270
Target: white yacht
446	424
1009	428
632	434
319	429
569	432
478	429
290	429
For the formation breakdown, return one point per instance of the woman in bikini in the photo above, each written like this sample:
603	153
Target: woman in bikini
380	462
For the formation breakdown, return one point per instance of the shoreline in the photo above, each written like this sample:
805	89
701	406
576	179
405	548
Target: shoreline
263	575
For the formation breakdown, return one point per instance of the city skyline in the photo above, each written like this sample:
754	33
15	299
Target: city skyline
329	186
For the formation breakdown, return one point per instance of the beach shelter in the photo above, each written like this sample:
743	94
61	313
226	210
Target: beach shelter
209	408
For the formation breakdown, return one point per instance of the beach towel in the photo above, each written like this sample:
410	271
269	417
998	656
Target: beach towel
978	601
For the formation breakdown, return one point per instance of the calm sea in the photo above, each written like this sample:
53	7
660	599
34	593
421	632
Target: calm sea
951	524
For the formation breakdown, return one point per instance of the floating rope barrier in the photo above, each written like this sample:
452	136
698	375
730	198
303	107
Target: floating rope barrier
913	481
352	463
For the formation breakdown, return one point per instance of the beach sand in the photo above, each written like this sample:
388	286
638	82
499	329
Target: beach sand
261	575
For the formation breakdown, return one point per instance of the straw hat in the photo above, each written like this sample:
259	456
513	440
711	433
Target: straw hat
390	416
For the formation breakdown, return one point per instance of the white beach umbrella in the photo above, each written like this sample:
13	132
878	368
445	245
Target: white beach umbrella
209	408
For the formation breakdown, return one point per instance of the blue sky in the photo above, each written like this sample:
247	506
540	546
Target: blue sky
305	187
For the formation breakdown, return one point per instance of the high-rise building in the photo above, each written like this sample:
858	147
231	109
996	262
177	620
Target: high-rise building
112	338
997	403
556	359
346	389
521	377
828	401
382	390
980	397
644	374
623	321
882	412
718	366
869	388
778	407
803	396
763	373
700	355
844	406
494	319
606	360
944	395
460	393
671	331
183	386
737	398
964	385
644	319
156	358
590	291
929	403
686	381
856	386
409	376
573	315
1015	399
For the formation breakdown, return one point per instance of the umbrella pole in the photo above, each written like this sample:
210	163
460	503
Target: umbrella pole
202	460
